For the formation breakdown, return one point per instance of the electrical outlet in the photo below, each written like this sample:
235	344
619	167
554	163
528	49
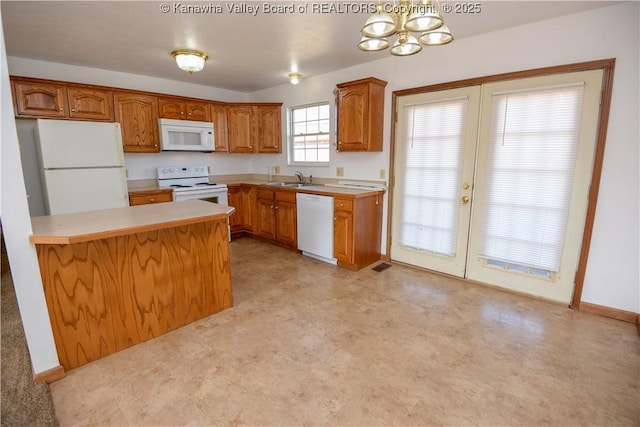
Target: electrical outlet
382	174
339	171
276	170
126	172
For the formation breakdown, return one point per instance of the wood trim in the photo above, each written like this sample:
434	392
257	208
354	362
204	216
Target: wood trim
362	81
50	375
557	69
130	91
613	313
608	66
638	324
594	189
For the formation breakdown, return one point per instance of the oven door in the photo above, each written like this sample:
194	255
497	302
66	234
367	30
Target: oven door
213	195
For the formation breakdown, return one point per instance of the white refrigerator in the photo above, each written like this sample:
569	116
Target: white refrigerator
81	165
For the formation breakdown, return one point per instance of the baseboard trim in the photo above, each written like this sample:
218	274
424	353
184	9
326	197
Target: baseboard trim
613	313
638	324
50	375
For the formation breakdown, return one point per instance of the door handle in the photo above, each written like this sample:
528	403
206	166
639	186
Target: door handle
464	200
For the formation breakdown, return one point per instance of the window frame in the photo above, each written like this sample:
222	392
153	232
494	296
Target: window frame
291	135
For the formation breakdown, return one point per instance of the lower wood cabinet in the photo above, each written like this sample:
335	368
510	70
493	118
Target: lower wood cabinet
147	197
235	199
357	230
271	215
277	219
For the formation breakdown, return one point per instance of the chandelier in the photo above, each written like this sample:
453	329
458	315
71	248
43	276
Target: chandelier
401	19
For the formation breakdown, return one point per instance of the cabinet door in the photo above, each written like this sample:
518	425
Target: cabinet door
198	111
240	125
235	200
267	218
269	135
41	100
219	116
286	226
138	117
343	236
90	104
170	108
249	210
352	113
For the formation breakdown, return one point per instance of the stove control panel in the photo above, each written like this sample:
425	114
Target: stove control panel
171	172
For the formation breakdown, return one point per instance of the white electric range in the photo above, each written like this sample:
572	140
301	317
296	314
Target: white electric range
192	182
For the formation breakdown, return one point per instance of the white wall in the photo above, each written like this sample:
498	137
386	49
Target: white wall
16	227
612	277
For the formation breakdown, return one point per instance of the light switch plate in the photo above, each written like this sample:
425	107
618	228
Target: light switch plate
382	174
339	171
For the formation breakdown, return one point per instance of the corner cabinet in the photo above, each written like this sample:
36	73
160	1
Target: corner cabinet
138	117
357	230
360	115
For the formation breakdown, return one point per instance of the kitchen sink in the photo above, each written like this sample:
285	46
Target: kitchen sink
287	184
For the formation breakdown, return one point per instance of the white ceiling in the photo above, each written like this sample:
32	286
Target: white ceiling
246	52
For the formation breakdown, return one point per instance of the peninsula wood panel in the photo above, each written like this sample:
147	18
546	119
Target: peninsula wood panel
109	294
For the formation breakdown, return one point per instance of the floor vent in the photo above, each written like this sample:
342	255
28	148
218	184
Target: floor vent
381	267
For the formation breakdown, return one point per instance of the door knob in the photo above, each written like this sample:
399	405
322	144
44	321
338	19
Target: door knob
464	200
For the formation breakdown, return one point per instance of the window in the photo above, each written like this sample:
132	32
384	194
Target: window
309	134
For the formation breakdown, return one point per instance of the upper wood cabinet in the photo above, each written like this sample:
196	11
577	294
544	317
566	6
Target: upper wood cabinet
241	132
41	99
269	135
360	106
254	128
176	108
219	119
138	117
90	104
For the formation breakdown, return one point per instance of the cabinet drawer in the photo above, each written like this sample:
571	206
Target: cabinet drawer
343	205
266	194
286	196
148	197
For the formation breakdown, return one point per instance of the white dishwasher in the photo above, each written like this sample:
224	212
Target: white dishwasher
315	226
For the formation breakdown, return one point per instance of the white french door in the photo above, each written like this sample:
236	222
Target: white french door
434	166
519	213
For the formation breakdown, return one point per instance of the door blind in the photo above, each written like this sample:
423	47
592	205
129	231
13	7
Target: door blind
434	139
531	160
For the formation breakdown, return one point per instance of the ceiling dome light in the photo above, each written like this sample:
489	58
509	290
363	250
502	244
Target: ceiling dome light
295	78
190	61
372	44
437	37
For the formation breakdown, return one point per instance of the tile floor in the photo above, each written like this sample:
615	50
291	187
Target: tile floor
311	344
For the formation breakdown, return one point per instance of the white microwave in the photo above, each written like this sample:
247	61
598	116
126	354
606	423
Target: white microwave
186	135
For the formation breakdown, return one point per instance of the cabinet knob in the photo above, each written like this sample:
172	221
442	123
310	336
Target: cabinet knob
276	208
152	199
335	218
339	142
73	110
60	109
342	205
189	113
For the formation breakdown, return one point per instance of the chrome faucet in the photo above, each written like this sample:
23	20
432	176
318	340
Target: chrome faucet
300	177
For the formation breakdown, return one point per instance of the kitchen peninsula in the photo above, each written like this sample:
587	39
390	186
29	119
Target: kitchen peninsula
117	277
